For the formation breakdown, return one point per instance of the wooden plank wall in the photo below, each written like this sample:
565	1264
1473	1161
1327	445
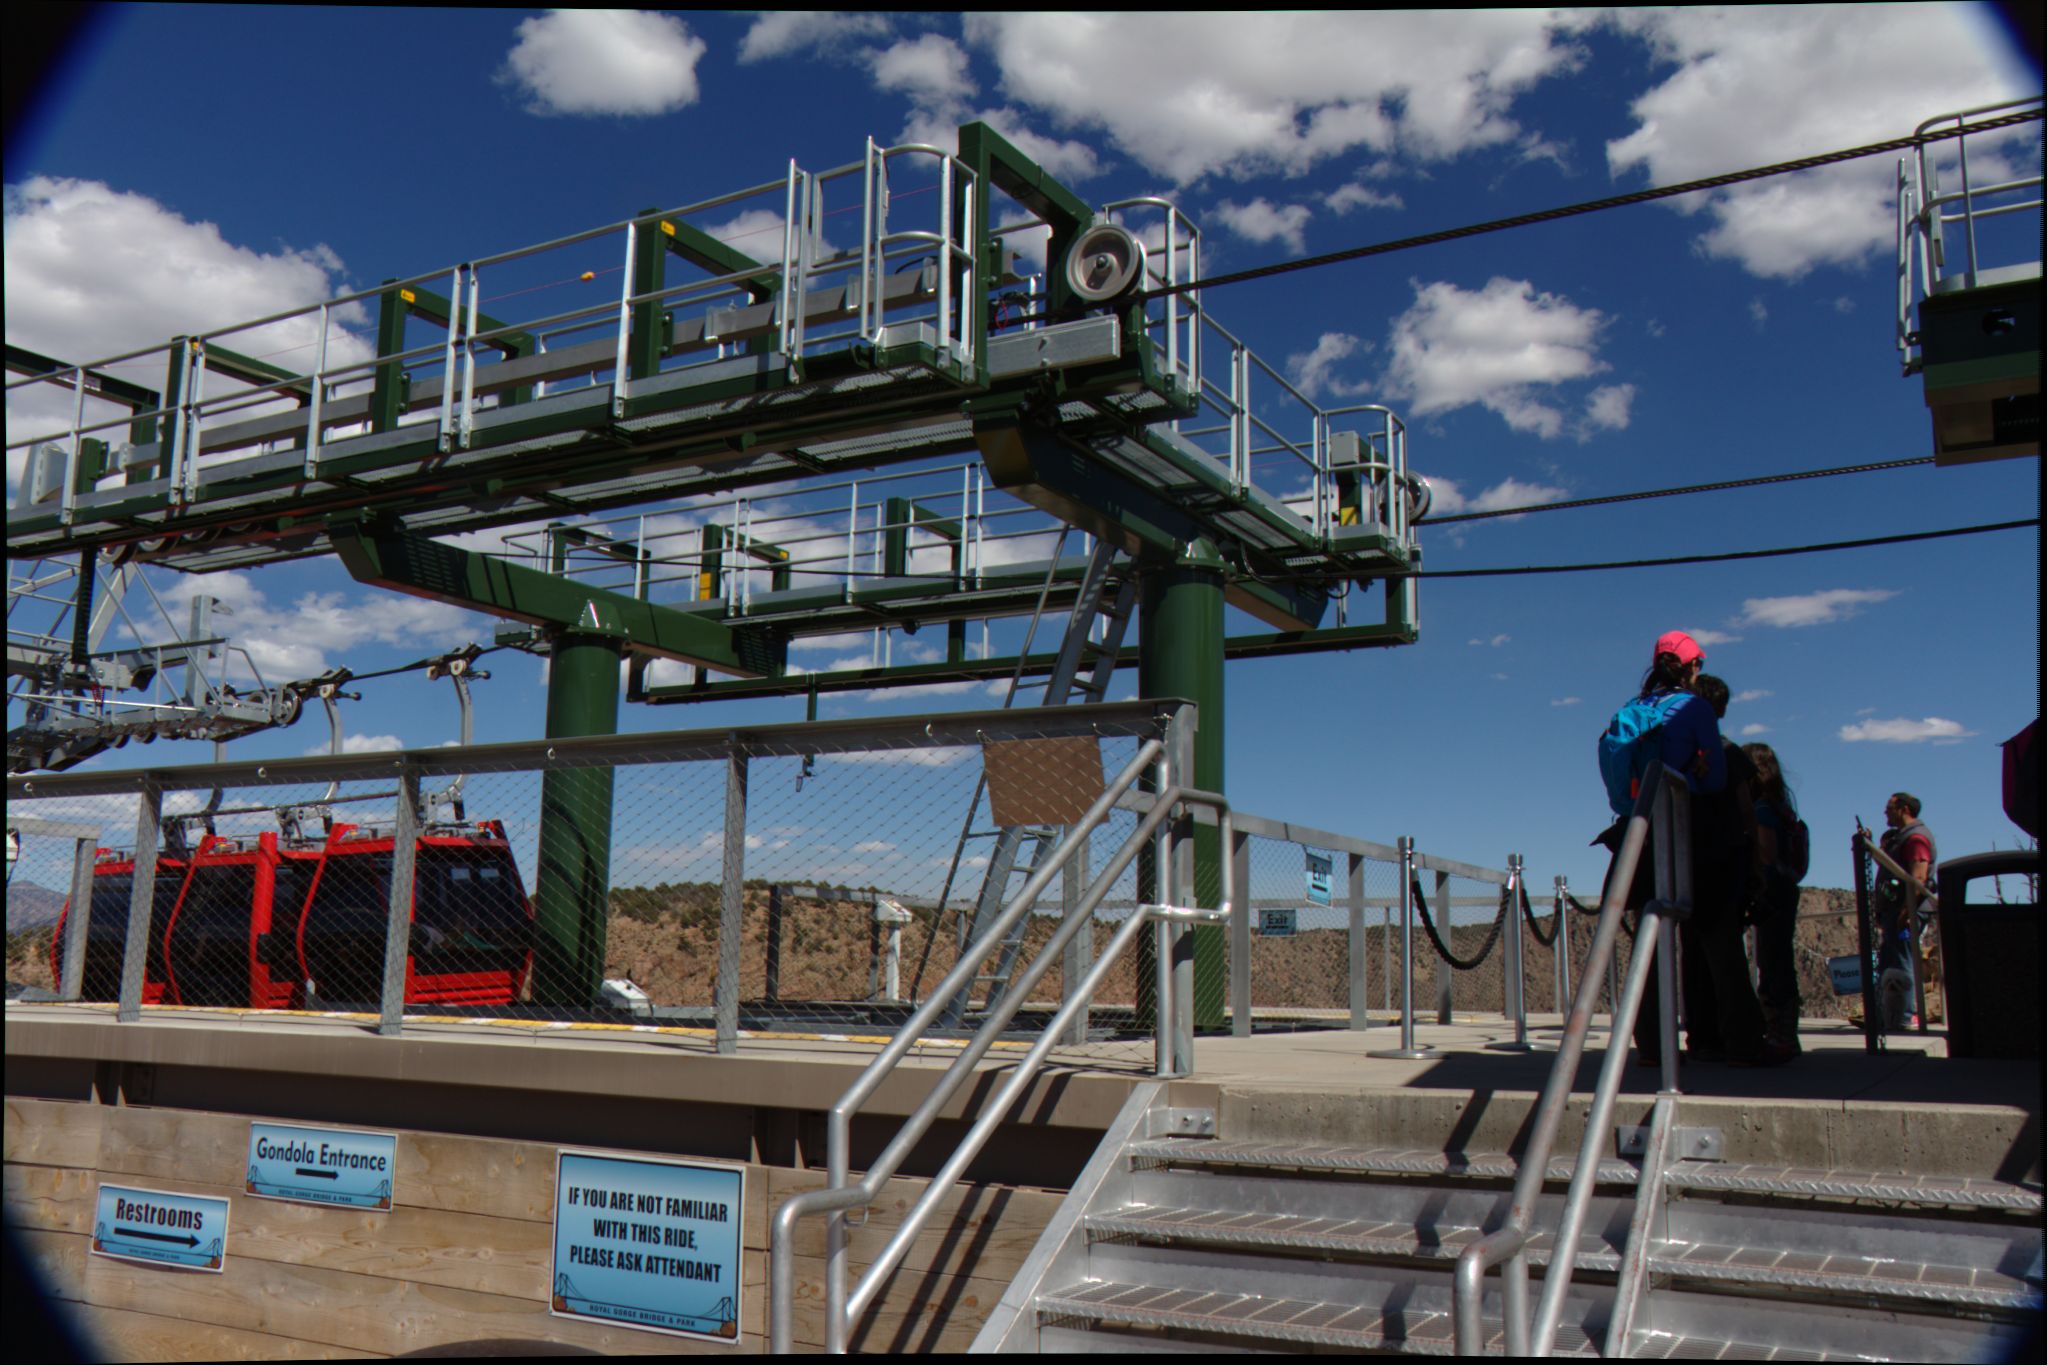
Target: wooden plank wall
461	1259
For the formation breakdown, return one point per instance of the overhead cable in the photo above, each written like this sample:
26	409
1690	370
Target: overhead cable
1756	482
1730	555
1713	182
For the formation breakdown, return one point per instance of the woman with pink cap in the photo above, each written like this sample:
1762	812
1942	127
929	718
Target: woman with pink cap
1725	1020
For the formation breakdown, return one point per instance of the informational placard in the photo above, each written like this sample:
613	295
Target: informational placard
1279	923
648	1243
1319	866
160	1227
1846	973
321	1165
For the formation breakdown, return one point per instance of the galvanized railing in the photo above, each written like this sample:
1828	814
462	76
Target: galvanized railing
1166	757
1664	805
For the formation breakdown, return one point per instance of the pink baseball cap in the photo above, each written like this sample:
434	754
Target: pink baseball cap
1678	643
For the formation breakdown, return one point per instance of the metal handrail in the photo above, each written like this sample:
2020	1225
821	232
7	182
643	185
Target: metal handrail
1891	865
840	1306
1662	803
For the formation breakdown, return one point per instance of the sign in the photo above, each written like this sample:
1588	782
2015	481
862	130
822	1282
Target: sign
187	1230
648	1244
1319	865
1277	923
321	1165
1846	972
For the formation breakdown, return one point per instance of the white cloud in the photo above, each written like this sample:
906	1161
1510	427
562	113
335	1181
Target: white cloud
1758	311
362	744
1495	347
93	271
1566	701
1070	160
931	69
758	233
1813	608
1748	730
1762	84
1708	638
1843	305
1446	497
1753	694
1495	642
780	33
1355	195
1654	328
1262	221
596	61
1313	371
1607	409
287	642
1903	731
1277	90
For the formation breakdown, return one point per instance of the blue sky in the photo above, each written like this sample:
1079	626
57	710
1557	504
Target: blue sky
197	165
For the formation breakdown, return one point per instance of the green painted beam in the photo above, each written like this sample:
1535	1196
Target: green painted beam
443	573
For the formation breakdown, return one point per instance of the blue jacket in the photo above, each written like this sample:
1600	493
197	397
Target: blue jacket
1688	731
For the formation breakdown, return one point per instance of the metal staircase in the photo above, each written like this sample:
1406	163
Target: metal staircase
1106	599
1178	1243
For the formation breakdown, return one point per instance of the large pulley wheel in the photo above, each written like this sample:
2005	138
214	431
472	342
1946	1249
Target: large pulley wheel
1105	264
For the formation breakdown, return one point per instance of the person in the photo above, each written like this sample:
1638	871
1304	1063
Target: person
1909	843
1776	915
1689	742
1723	1020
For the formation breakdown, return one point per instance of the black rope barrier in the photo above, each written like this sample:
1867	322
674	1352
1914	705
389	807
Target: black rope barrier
1442	948
1529	914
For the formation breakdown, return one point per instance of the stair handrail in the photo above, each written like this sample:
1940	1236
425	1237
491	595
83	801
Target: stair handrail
841	1306
1664	803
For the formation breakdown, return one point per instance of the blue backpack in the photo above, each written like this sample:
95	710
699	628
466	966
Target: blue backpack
1630	745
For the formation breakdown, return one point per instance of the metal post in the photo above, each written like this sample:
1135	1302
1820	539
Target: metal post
398	927
1360	1002
1446	975
732	905
573	884
1872	1032
1407	1050
772	990
1563	943
1079	954
1240	943
71	979
1668	851
141	901
1514	985
1162	944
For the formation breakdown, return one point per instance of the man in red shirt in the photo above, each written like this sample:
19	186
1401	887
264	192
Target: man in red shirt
1910	844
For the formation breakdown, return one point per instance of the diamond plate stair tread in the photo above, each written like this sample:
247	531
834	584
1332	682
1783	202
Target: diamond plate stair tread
1945	1191
1365	1236
1380	1160
1862	1276
1418	1332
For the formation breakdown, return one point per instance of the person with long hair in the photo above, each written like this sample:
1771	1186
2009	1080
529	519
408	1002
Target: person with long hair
1777	911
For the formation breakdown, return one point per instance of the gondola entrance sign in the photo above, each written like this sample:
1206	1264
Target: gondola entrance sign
648	1244
321	1165
160	1227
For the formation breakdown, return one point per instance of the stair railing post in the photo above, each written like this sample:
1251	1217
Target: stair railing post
1514	988
1673	888
1240	942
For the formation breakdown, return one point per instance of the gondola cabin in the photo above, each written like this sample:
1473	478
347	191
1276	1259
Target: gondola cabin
256	923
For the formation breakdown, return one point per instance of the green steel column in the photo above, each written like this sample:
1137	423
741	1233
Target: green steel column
1180	635
572	892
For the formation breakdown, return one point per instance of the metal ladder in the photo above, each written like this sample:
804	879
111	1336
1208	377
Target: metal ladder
1081	673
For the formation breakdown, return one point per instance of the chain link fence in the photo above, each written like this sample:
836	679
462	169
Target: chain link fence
813	882
816	880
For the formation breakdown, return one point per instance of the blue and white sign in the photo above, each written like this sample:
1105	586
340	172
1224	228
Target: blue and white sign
1846	973
187	1230
649	1244
321	1165
1278	923
1319	866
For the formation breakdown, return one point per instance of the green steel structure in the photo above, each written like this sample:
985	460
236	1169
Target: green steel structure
676	473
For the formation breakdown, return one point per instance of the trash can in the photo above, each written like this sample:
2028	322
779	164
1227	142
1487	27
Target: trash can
1990	951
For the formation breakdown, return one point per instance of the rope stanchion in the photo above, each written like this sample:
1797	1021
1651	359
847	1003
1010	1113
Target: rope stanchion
1443	949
